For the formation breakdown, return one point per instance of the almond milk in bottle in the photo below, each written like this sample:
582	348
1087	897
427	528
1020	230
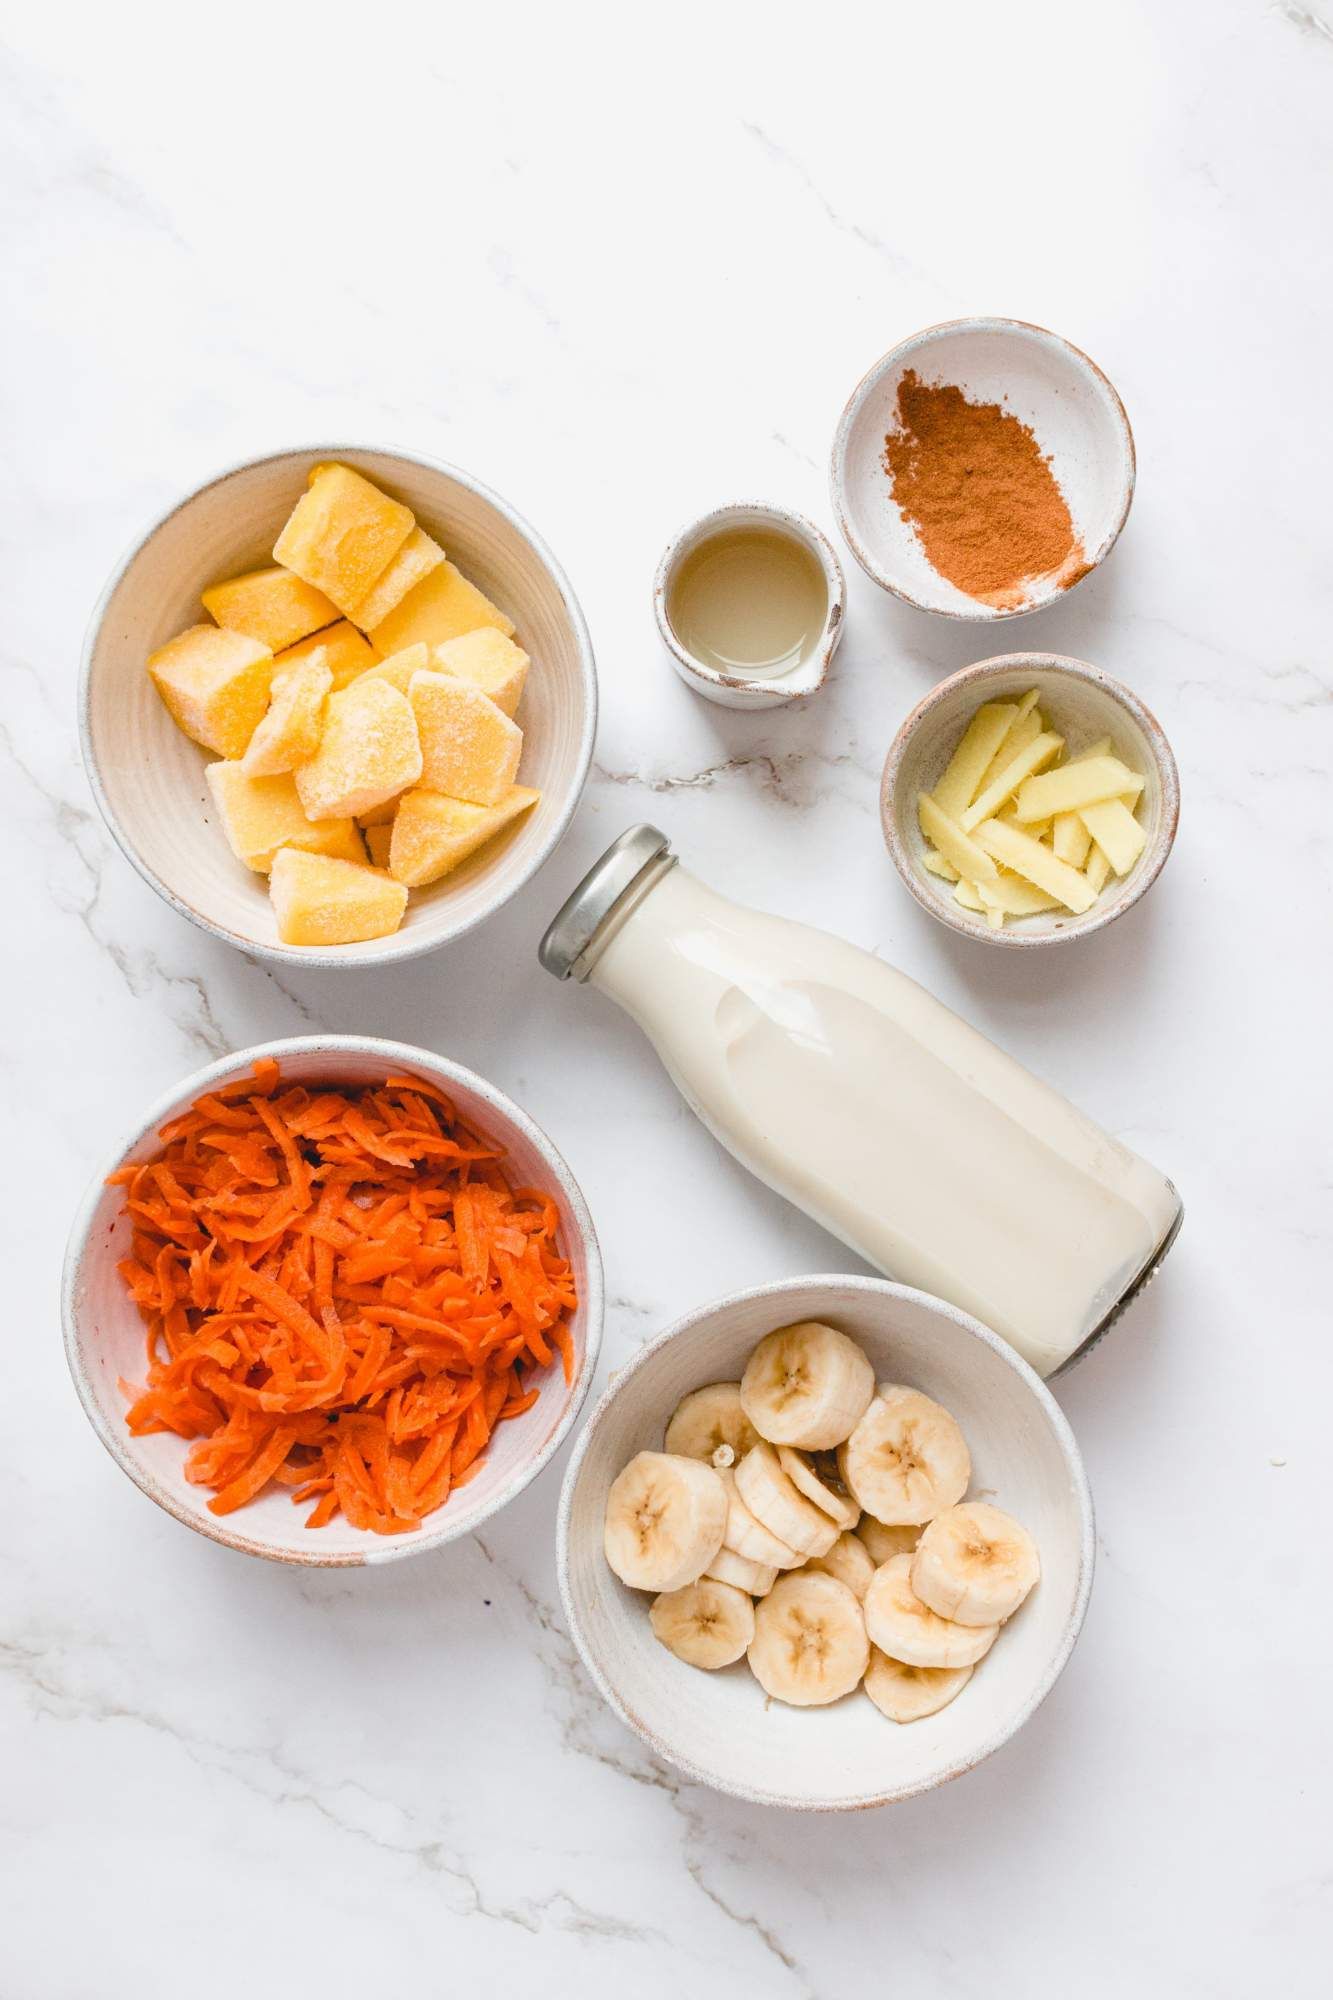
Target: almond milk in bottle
842	1084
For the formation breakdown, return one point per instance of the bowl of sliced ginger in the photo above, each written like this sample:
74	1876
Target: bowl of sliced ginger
825	1544
1030	799
338	705
334	1301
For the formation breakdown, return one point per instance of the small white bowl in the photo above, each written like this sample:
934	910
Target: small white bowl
718	1728
1081	704
1075	414
148	778
734	690
104	1335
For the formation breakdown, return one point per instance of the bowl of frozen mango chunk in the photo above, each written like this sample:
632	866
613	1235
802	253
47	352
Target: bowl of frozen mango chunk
1030	799
338	705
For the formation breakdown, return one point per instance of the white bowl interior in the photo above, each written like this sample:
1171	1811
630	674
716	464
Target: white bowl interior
152	777
106	1334
1081	705
1072	410
718	1727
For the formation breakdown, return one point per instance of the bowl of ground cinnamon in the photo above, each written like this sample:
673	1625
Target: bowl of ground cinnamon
982	468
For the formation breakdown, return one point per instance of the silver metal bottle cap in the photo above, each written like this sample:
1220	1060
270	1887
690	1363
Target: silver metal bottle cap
577	922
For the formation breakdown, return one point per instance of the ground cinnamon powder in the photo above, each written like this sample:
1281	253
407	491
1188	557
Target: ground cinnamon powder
977	487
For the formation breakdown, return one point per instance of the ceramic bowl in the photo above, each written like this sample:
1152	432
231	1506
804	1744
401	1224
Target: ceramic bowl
718	1728
730	690
1075	414
148	778
104	1335
1081	703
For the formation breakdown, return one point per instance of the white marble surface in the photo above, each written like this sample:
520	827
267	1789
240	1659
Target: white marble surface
623	275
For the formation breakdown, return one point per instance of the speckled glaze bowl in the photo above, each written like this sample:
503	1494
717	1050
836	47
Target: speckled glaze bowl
148	778
1081	703
718	1728
1047	382
104	1335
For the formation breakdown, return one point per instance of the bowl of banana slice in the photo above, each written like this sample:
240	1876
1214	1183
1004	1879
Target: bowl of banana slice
826	1544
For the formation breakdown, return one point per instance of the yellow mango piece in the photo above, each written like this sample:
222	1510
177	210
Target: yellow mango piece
216	685
1070	838
289	733
418	556
260	815
945	834
379	815
1035	863
342	648
1073	786
378	839
318	900
1007	780
442	606
271	605
490	661
368	752
399	668
342	534
1116	832
468	748
431	833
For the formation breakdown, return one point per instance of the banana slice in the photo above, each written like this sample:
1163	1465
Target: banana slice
664	1521
975	1564
745	1536
708	1418
756	1578
708	1623
777	1506
906	1693
848	1560
820	1481
906	1461
809	1644
908	1630
884	1543
807	1385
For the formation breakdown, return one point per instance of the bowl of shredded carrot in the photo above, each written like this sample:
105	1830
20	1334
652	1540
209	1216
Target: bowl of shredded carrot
337	1301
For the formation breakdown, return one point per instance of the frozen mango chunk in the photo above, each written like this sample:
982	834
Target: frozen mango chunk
271	605
442	606
260	815
318	900
379	815
215	683
488	659
369	751
468	748
399	668
418	556
431	834
345	651
342	534
378	840
289	733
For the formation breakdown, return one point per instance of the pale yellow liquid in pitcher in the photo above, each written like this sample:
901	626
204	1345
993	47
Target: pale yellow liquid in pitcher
749	602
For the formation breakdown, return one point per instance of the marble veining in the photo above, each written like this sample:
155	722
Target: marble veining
625	273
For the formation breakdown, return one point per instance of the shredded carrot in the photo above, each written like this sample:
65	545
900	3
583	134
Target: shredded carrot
343	1296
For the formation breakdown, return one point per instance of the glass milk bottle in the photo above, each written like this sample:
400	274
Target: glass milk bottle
842	1084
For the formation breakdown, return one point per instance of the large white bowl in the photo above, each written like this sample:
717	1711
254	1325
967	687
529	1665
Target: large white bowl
104	1335
718	1728
1047	382
148	778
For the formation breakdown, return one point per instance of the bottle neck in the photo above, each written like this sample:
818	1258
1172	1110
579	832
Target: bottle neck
620	913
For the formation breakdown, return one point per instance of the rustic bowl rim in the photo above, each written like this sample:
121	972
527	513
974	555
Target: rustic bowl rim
392	1054
750	690
778	1291
980	323
403	944
1134	885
